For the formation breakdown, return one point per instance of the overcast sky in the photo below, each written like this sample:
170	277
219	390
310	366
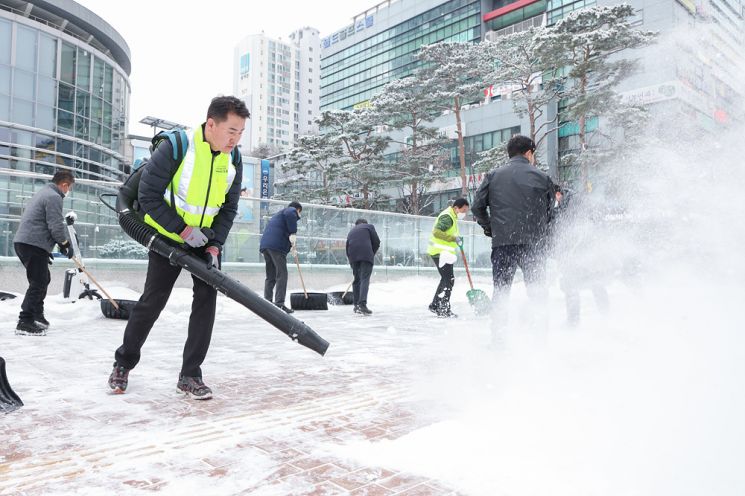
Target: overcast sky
182	52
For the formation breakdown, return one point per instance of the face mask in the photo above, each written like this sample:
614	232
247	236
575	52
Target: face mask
461	215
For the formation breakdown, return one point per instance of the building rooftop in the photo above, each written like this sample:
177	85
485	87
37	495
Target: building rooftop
75	20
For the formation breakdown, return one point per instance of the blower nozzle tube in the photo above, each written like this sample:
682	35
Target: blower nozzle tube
147	236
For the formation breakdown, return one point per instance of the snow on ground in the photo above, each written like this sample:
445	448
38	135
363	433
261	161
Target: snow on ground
646	400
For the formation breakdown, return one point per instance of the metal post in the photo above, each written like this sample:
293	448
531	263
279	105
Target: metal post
7	242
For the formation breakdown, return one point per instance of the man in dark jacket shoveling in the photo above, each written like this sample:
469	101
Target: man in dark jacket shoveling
513	205
362	245
280	236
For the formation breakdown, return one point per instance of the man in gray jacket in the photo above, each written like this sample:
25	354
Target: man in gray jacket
513	205
42	225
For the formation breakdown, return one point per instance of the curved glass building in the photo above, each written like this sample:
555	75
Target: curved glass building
64	95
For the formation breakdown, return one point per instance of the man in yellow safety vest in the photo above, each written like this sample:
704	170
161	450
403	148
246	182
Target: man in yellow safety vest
444	243
192	199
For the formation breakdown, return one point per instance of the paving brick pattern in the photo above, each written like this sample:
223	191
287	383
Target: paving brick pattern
278	409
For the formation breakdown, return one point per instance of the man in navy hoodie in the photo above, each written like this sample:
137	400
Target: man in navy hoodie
280	236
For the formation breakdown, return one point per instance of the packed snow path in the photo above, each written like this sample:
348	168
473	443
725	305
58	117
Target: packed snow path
639	401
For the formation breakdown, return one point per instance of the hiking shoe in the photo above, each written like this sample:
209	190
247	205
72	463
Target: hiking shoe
30	328
282	307
194	387
433	308
118	379
41	321
363	309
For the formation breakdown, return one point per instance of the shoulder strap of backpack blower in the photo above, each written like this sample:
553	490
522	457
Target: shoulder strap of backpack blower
127	198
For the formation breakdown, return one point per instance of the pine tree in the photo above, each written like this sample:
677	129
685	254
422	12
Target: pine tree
451	72
360	153
314	168
519	61
407	105
584	42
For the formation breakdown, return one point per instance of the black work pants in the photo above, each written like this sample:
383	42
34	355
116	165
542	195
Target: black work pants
441	301
505	261
276	276
161	276
36	261
507	258
362	272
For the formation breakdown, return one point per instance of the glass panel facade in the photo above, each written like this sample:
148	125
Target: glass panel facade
26	48
74	100
67	64
5	33
558	9
356	73
4	107
47	55
47	93
22	112
84	70
66	97
45	117
23	85
519	15
4	79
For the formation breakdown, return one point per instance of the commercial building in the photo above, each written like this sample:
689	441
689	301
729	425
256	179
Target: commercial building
64	95
279	81
381	43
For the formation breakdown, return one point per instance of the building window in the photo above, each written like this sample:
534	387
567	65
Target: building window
67	65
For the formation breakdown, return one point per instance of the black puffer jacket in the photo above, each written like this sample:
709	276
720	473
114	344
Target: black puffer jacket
514	202
155	178
362	243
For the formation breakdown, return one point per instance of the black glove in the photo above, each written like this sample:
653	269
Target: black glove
66	249
487	232
51	258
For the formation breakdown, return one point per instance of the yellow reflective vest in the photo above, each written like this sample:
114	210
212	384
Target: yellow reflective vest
199	186
437	245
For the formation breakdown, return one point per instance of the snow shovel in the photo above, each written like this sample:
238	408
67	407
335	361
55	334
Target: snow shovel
305	300
341	298
122	313
6	296
9	400
477	298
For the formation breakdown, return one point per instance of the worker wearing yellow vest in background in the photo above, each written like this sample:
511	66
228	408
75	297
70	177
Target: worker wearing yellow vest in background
192	201
443	247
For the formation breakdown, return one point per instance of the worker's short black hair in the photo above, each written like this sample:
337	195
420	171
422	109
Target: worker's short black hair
221	106
295	205
519	144
63	177
360	221
460	202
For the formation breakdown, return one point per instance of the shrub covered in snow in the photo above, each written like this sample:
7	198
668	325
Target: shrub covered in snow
122	248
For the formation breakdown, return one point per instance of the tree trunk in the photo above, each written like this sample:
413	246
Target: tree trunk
582	122
531	118
414	197
461	149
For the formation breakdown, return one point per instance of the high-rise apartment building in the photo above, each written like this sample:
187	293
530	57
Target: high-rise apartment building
280	83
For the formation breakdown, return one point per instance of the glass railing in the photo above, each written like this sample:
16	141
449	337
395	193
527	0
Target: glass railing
322	234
